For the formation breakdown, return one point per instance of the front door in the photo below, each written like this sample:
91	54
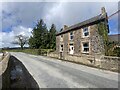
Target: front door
71	49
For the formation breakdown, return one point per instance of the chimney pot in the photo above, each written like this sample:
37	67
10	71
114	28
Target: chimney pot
65	27
103	11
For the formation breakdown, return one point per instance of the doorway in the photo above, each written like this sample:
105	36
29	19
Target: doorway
71	49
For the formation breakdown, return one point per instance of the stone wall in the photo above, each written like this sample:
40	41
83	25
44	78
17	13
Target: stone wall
57	44
54	55
85	59
65	43
4	71
110	63
78	59
104	62
95	41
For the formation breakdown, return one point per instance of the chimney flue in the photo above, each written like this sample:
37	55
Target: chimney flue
65	27
103	11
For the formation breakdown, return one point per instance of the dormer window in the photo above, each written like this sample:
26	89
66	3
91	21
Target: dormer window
85	32
71	35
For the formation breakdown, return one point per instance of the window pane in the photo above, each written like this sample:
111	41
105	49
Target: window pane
85	44
61	45
86	47
85	31
71	37
72	48
61	48
71	33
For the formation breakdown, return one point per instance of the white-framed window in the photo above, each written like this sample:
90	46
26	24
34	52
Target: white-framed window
85	32
71	49
71	35
61	37
61	48
85	46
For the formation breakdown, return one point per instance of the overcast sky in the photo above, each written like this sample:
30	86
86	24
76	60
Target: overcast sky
20	17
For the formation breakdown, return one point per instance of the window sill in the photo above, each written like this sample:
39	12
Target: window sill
85	52
85	36
71	39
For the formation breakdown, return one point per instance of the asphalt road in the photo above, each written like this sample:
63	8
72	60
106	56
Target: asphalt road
53	73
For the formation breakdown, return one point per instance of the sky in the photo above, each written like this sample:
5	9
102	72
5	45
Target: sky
21	17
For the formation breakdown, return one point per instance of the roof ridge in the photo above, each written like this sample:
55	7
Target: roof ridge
83	23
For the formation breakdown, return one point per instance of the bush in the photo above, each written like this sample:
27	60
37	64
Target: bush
112	49
42	51
116	51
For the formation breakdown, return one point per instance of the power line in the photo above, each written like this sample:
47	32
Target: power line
113	14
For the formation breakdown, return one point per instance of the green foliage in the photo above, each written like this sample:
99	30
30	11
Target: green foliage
116	51
103	31
0	50
52	36
32	51
113	49
41	37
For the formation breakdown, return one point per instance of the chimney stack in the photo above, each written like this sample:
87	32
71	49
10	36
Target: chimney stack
65	27
103	11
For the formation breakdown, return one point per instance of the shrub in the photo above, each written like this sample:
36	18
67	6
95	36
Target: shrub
116	51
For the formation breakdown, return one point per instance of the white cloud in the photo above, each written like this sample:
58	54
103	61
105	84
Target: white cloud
22	30
7	38
58	1
70	13
59	13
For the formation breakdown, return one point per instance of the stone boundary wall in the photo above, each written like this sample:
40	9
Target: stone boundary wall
1	55
4	71
4	63
54	55
85	59
110	63
104	62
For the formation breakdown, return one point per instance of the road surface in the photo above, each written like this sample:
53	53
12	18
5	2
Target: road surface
53	73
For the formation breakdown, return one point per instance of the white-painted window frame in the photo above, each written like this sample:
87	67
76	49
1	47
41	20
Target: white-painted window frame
71	35
83	46
61	37
83	32
61	48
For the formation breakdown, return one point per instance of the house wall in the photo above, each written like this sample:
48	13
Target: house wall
57	44
65	43
95	41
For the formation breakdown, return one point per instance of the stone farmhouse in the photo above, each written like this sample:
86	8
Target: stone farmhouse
82	38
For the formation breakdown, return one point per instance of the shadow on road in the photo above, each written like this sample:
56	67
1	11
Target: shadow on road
17	76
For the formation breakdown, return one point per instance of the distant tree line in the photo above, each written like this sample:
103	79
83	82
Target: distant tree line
42	38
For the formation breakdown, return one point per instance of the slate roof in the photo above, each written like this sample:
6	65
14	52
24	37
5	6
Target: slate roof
93	20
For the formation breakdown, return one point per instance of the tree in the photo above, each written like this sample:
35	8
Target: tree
39	36
52	35
21	40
